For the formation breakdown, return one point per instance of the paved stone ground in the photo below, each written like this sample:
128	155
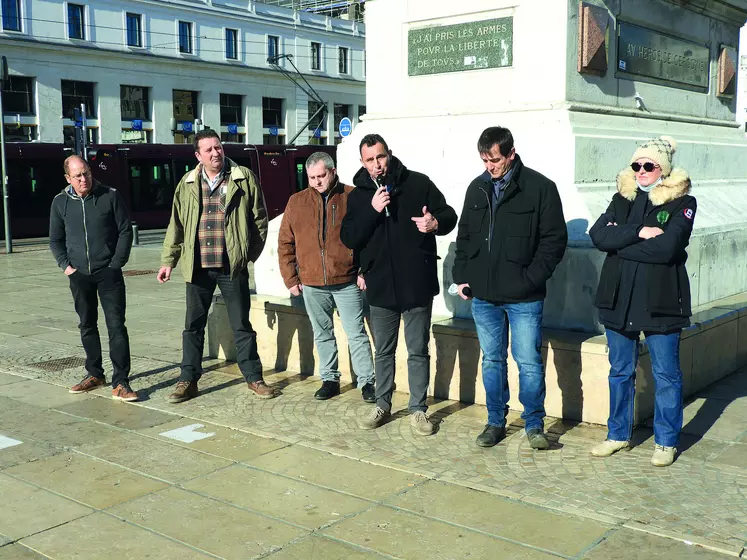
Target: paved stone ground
294	478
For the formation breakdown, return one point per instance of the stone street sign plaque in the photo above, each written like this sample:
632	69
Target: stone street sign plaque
645	52
465	46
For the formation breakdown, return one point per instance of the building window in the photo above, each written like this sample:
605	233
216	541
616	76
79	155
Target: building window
316	56
68	135
237	138
131	136
272	112
134	30
134	102
12	15
185	37
20	133
76	24
232	44
18	96
230	109
341	111
273	47
343	60
273	140
185	105
76	93
317	121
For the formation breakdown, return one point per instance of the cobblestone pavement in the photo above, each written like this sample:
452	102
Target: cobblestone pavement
305	481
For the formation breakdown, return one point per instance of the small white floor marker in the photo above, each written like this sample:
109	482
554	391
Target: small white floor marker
8	442
187	434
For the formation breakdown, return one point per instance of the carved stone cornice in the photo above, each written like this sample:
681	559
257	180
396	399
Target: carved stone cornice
729	11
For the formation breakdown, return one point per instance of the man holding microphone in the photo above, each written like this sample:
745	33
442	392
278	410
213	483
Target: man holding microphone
392	219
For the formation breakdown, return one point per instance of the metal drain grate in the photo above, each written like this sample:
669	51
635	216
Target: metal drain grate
60	363
138	272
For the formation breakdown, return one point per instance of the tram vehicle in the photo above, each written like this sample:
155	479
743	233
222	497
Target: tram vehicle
146	174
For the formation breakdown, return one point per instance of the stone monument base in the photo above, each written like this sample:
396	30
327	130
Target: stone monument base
576	364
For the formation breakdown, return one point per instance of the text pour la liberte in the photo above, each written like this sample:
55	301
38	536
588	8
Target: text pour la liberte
463	46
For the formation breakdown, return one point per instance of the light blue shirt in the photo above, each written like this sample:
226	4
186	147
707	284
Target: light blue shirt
216	181
500	184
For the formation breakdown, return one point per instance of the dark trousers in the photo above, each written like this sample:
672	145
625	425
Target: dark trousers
385	331
108	284
238	301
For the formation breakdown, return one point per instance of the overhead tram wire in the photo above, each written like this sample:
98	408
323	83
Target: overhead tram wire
150	34
175	43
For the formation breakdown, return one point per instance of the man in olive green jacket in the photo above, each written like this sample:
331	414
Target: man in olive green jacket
218	226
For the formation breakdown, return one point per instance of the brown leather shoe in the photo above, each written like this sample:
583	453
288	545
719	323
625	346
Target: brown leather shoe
123	392
261	389
89	383
183	391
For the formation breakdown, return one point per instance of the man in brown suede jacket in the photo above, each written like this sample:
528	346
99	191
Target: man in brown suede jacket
314	261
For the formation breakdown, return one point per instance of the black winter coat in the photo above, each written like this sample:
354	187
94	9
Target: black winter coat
644	284
506	253
397	261
90	233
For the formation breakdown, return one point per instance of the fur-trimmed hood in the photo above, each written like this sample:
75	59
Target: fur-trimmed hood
675	186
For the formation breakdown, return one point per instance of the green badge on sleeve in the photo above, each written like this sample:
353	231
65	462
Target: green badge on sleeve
662	217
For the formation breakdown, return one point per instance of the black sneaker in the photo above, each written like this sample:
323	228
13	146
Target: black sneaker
368	392
490	435
328	390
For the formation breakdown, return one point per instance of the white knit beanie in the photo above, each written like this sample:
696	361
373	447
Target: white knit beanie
659	150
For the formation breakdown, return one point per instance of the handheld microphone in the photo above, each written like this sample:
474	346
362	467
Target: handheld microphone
380	182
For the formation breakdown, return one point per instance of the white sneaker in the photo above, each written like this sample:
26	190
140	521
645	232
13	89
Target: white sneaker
420	424
663	456
608	447
374	419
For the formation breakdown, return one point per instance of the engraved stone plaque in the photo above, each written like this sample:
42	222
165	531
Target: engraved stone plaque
645	52
456	48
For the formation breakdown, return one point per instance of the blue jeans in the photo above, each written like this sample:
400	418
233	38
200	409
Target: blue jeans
665	366
492	322
320	304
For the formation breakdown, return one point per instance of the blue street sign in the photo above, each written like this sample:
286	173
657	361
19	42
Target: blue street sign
273	131
233	129
346	127
137	124
317	133
187	126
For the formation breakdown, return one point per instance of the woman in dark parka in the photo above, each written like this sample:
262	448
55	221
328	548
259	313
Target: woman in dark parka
644	287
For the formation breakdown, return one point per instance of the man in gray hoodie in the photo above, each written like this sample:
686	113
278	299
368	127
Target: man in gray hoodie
90	236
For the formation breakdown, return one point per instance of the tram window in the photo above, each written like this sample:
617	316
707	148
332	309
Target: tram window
32	187
182	167
302	179
152	184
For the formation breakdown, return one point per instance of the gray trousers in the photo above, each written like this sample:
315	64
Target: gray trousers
320	304
385	330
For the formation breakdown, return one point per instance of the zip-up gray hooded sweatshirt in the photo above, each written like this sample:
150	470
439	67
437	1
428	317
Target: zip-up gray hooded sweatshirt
90	233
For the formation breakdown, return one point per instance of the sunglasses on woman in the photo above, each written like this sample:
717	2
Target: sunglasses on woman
648	166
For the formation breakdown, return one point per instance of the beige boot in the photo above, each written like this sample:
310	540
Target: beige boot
608	447
663	456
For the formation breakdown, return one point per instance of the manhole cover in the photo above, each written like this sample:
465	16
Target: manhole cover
60	363
138	272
